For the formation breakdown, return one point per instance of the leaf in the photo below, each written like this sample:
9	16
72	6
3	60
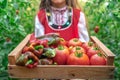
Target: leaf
4	75
21	30
1	60
17	18
3	3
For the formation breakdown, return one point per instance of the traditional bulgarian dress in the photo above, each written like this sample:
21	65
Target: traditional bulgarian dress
68	22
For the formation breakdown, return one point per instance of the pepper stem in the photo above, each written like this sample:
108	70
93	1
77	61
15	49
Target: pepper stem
29	62
78	54
60	47
78	48
75	40
90	43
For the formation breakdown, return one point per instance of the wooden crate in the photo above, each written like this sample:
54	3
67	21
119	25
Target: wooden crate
62	71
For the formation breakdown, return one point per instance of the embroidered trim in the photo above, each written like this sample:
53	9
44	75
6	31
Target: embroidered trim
56	27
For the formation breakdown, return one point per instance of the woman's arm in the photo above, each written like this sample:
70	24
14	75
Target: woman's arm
82	29
39	29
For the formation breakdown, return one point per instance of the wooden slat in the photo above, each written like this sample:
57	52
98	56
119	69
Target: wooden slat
16	52
108	53
62	72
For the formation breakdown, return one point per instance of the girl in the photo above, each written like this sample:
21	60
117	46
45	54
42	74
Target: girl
63	17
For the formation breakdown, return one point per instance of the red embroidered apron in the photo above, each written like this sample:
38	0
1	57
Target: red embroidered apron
67	33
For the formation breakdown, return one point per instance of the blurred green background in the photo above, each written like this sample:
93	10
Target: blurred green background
17	20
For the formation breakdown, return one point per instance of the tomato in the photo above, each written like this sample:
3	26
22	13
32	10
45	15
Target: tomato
8	39
61	56
17	11
77	58
62	42
74	42
87	45
96	29
70	48
93	50
97	59
77	49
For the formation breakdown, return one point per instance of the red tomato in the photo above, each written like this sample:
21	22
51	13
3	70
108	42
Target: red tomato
61	56
77	58
77	49
93	50
17	11
87	45
96	29
62	42
74	42
8	39
98	59
70	48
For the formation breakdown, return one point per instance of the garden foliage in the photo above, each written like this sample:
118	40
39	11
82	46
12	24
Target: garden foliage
16	21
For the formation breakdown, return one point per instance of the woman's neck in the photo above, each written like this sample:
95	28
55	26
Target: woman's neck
59	5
